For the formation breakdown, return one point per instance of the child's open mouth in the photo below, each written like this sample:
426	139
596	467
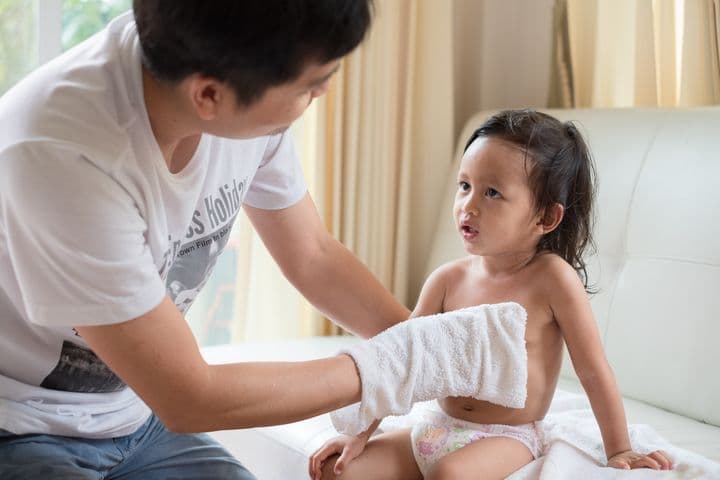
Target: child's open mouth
468	232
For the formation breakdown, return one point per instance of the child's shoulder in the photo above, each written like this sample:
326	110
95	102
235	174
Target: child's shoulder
552	263
450	271
554	271
454	267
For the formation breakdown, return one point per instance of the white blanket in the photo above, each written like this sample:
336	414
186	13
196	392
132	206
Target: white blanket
574	450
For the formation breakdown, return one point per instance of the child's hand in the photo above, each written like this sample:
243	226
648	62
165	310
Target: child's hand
657	460
348	447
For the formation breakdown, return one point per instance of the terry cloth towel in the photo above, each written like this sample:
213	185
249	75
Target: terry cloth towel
473	352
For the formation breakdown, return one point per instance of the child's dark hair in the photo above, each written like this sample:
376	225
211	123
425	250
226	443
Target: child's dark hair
250	44
561	171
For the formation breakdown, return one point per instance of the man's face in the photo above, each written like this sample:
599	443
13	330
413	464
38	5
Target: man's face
278	107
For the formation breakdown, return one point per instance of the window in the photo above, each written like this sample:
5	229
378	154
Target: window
34	31
18	40
82	18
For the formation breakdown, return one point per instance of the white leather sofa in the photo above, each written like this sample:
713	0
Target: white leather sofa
657	267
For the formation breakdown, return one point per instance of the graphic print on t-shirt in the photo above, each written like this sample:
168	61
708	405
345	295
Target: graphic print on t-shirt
80	370
193	264
193	260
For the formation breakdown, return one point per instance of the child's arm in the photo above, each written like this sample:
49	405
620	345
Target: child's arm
571	308
432	296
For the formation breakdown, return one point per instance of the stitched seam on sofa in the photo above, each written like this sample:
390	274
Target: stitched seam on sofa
621	270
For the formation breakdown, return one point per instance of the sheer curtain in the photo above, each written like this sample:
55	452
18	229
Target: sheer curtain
623	53
386	133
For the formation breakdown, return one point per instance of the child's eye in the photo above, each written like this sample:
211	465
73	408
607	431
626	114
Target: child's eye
492	193
464	186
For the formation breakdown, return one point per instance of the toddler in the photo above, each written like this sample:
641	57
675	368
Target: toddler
523	209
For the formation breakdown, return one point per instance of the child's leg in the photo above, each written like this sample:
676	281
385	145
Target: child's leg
388	456
489	459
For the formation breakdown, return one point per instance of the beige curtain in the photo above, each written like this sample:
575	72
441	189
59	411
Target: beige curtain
624	53
376	147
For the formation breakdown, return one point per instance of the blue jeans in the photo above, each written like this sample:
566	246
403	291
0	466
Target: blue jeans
151	453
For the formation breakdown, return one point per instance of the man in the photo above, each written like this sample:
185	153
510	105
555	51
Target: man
123	163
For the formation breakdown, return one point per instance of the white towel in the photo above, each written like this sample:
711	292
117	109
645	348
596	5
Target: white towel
573	448
474	352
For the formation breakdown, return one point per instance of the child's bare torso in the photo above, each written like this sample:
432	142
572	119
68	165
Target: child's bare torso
466	287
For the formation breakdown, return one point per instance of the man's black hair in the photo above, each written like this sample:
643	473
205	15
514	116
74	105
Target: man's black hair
250	44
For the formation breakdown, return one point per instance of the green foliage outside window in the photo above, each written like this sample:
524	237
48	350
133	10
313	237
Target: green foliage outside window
19	36
82	18
18	40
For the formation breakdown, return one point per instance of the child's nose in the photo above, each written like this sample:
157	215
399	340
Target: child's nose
470	208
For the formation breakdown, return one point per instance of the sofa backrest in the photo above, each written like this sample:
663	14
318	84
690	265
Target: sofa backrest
658	250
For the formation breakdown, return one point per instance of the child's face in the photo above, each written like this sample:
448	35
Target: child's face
494	209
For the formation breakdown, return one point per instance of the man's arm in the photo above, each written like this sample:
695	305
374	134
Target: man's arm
324	271
157	356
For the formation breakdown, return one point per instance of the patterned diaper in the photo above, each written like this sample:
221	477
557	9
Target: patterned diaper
440	434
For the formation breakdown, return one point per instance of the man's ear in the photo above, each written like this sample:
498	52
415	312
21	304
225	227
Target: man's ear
206	95
550	218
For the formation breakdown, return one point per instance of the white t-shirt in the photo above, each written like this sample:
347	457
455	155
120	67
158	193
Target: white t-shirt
94	229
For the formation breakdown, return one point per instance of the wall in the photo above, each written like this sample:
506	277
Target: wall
502	52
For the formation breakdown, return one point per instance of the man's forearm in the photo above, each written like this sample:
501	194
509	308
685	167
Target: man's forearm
338	284
324	271
244	395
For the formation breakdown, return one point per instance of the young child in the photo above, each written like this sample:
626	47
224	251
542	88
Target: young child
523	208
